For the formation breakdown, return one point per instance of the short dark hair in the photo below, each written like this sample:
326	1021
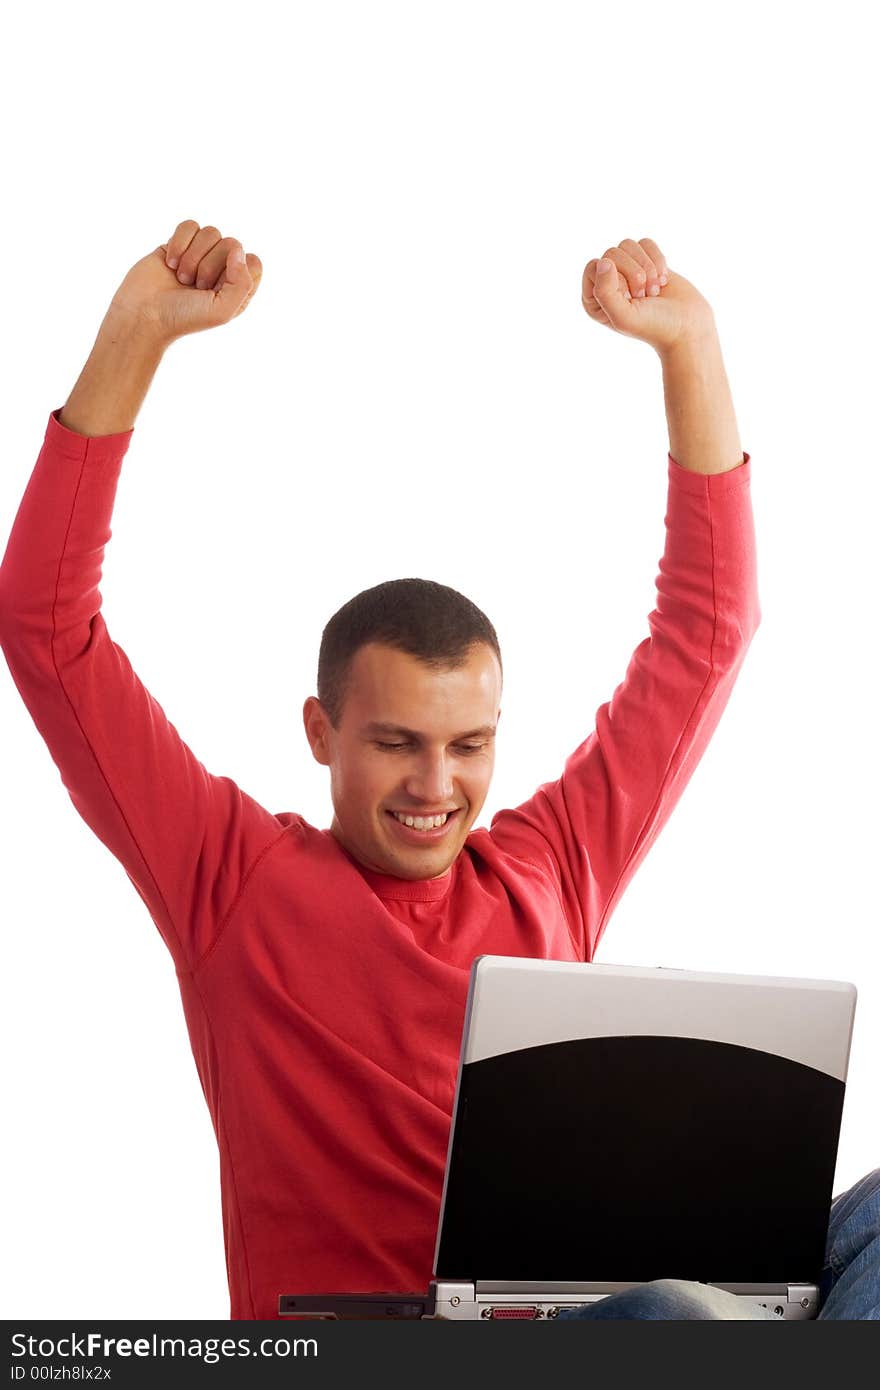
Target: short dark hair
428	620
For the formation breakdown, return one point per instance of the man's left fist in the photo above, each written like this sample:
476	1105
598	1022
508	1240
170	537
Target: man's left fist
637	294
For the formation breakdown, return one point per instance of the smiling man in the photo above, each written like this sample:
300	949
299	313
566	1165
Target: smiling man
406	722
324	973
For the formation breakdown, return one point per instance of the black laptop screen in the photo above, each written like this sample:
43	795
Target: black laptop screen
640	1158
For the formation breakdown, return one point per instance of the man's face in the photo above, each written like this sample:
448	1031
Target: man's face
411	740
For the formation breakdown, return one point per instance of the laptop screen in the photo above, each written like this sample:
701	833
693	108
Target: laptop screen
641	1155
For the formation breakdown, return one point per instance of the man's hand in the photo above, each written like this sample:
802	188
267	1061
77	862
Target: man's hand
196	280
151	308
640	296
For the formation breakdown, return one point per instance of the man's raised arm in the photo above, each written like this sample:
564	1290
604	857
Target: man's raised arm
185	838
595	824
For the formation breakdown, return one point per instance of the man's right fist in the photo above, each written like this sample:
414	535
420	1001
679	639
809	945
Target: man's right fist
196	280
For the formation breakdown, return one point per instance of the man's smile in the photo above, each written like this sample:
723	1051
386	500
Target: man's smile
414	830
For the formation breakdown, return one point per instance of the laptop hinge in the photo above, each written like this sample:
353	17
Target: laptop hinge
804	1295
793	1292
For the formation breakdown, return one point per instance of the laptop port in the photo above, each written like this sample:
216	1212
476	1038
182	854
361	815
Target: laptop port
511	1313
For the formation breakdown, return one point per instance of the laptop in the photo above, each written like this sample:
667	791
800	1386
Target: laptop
613	1125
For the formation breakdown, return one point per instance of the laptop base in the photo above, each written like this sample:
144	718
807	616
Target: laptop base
505	1301
491	1301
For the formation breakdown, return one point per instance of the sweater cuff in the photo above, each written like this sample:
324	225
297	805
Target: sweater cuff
709	484
103	447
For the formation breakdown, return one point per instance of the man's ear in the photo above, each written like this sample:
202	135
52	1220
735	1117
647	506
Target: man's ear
316	726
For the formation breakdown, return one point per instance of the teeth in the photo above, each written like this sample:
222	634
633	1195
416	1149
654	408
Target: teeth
421	822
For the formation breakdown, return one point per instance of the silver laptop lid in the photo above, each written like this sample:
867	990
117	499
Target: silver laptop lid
622	1123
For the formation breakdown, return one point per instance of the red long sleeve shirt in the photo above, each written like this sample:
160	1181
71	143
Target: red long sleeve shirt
325	1001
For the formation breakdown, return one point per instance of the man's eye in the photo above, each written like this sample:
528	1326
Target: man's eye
462	747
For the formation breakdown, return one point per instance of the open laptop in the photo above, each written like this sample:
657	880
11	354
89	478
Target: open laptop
616	1124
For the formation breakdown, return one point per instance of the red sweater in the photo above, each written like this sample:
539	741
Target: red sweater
325	1001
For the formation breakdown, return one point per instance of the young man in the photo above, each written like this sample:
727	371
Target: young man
324	973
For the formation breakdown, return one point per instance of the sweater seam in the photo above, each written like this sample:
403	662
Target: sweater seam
683	483
740	483
603	920
411	897
556	882
230	911
79	725
546	869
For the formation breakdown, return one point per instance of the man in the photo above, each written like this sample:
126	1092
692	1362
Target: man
324	973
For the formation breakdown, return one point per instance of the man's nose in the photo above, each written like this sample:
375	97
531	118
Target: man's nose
430	780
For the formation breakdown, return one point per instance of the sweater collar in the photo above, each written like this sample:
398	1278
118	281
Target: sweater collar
386	886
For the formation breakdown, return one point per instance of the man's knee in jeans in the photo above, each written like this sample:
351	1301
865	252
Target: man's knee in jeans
850	1287
672	1300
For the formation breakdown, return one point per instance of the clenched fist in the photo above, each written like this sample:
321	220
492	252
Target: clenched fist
196	280
637	294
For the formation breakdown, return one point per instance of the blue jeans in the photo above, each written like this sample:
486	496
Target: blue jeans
849	1288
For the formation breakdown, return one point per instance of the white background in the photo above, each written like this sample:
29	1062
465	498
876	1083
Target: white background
416	389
